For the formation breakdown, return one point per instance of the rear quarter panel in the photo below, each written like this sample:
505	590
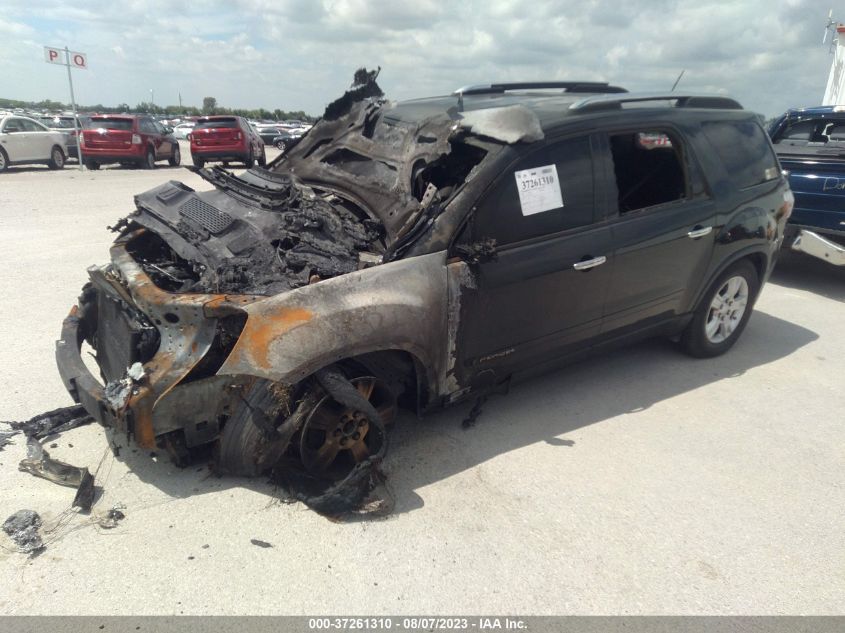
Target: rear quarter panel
750	221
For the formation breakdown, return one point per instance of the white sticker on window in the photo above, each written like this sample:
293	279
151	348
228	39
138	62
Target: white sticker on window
539	189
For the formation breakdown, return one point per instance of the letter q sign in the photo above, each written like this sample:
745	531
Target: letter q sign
57	56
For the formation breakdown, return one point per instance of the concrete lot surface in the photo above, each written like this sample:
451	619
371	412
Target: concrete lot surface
639	482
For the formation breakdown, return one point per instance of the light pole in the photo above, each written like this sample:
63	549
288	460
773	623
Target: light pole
152	98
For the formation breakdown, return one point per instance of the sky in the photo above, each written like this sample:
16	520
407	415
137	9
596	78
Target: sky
301	54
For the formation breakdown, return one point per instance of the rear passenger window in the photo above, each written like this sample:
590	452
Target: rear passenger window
549	191
744	150
147	127
648	167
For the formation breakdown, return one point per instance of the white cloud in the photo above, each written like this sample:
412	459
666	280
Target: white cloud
300	54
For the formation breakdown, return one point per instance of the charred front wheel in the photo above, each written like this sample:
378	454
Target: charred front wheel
336	436
723	312
330	437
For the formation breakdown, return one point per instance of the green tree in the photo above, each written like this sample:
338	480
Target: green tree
209	105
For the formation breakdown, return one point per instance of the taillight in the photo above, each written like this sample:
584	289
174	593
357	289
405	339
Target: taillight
240	136
136	139
82	139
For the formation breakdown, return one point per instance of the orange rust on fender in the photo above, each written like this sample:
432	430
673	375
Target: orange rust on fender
142	408
256	338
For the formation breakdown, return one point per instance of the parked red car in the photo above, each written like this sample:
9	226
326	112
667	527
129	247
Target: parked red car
226	138
128	140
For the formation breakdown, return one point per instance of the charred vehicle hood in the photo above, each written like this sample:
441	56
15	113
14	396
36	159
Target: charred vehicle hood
260	233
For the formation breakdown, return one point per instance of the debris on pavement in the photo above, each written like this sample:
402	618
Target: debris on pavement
53	422
39	463
5	437
469	421
259	543
22	527
114	516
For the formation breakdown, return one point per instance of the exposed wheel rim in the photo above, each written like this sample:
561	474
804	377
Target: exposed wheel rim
58	157
726	309
334	438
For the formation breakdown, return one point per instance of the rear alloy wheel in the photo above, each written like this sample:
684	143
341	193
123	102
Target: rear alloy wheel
4	160
57	158
199	163
281	146
149	160
176	157
723	312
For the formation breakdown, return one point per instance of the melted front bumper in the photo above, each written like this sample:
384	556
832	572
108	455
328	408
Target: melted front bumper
162	401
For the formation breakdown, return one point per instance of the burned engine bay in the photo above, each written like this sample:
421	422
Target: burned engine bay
356	191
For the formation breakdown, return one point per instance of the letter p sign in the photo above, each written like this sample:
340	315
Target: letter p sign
54	55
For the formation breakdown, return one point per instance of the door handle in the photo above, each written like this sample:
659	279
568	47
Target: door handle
590	263
699	232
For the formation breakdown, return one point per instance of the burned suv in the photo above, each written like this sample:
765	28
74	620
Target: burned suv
416	254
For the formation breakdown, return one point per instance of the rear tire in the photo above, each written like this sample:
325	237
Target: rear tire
723	312
249	161
149	161
262	160
4	160
199	163
92	165
57	158
176	157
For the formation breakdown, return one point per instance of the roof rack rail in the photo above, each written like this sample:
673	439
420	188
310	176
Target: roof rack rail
568	86
602	102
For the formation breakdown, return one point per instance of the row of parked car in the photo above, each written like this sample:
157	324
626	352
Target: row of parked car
136	140
279	136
